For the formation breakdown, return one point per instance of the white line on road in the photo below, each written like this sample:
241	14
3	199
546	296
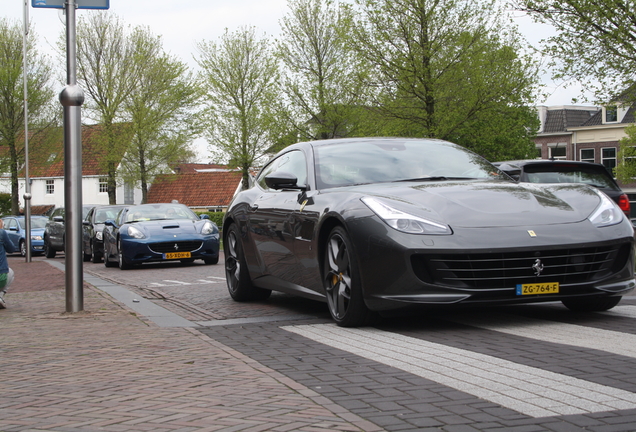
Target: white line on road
528	390
177	282
566	334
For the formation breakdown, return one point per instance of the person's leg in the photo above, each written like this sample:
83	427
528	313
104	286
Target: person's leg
5	281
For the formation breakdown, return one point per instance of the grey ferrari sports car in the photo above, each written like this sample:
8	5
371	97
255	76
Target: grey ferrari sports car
371	225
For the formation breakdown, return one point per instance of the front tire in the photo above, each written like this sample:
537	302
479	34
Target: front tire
49	252
23	250
123	264
238	278
594	304
341	280
95	257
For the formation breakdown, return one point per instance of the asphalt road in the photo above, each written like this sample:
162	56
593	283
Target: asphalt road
523	368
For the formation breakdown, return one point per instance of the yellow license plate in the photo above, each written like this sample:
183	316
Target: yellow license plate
176	255
538	288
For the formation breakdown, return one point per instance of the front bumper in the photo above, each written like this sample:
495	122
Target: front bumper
483	266
137	251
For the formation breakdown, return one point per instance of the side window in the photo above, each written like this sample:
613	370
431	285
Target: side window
11	223
268	169
293	162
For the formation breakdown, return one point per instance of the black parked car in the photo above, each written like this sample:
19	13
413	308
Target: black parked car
562	171
54	231
92	231
378	224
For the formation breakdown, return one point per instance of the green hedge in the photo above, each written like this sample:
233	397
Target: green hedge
216	217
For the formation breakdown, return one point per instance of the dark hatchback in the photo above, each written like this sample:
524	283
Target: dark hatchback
561	171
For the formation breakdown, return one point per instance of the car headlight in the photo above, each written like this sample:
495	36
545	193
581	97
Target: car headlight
405	222
135	233
99	235
208	228
36	237
607	213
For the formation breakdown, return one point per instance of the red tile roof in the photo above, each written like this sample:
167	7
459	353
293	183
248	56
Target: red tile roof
201	189
46	152
186	168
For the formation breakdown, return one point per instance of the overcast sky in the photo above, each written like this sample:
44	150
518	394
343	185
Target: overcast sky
184	23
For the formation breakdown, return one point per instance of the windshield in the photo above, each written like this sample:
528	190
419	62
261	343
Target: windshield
148	212
103	214
390	160
36	223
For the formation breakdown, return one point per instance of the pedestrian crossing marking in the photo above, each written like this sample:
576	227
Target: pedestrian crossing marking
527	390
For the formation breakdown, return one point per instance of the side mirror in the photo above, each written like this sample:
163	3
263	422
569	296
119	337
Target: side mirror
87	223
282	180
58	218
110	223
13	229
204	216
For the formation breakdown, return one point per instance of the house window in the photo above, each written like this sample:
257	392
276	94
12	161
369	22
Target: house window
611	114
103	184
50	187
129	193
557	152
587	155
608	158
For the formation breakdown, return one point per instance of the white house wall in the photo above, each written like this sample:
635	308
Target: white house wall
90	192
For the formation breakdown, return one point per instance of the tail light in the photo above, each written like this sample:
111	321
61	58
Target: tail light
623	203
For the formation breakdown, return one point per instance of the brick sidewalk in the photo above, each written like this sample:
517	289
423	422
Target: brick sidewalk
108	369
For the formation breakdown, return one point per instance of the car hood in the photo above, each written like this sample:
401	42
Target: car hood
158	228
478	204
37	231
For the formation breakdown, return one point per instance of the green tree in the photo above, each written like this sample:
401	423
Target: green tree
39	92
324	77
105	71
162	111
241	76
454	70
595	43
625	169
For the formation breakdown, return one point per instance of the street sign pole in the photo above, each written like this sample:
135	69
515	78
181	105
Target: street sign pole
72	98
27	185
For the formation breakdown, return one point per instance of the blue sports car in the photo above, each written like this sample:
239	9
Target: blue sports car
15	227
159	232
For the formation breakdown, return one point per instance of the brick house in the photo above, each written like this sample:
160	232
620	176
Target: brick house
554	139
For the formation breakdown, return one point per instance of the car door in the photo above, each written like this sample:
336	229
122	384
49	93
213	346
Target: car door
12	227
55	229
271	219
87	231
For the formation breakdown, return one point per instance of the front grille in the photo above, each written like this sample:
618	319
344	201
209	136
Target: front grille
505	270
175	246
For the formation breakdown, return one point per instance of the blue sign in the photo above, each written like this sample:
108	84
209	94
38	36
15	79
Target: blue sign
81	4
